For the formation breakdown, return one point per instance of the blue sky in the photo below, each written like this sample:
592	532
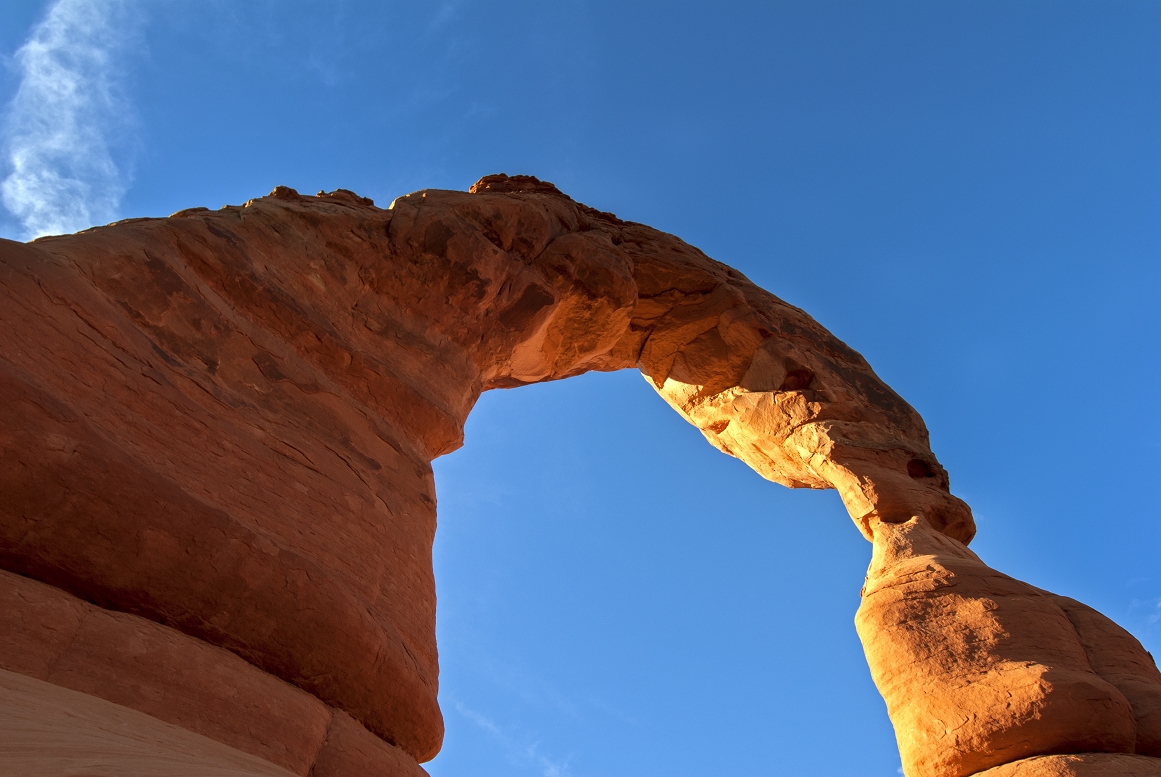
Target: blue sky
968	193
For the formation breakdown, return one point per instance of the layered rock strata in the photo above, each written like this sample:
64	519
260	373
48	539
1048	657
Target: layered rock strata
1086	765
48	731
216	432
140	665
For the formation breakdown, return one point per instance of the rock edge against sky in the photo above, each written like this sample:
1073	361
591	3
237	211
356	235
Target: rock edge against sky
218	504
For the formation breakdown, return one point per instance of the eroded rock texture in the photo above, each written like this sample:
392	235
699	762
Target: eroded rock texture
49	731
979	669
216	432
1085	765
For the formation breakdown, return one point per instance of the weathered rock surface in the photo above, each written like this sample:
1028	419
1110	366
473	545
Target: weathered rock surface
1085	765
49	731
979	669
216	435
224	421
50	635
1119	659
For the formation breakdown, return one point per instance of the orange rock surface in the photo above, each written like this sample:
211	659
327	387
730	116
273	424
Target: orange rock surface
1086	765
216	430
979	669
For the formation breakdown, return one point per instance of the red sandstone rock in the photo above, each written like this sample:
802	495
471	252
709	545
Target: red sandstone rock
47	634
224	421
352	751
1086	765
144	666
980	670
1119	658
137	497
49	731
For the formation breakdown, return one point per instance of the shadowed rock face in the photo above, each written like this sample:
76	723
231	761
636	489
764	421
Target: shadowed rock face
223	422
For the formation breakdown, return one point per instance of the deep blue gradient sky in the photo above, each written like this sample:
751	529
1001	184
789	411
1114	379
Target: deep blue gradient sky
968	193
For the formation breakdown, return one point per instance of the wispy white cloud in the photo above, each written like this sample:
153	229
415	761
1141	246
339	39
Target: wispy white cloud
67	118
535	690
528	753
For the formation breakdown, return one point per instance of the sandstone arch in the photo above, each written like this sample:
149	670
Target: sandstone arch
218	430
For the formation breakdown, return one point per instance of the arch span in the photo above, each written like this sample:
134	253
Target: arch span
561	288
218	430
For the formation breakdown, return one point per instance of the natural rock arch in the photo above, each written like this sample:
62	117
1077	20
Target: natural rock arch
218	435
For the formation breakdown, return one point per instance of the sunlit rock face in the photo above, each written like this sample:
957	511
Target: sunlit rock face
979	669
216	432
1083	765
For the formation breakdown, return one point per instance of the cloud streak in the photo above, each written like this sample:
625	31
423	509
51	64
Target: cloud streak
66	119
529	753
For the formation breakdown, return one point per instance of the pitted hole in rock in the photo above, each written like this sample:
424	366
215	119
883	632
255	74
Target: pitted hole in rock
797	379
918	468
717	427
